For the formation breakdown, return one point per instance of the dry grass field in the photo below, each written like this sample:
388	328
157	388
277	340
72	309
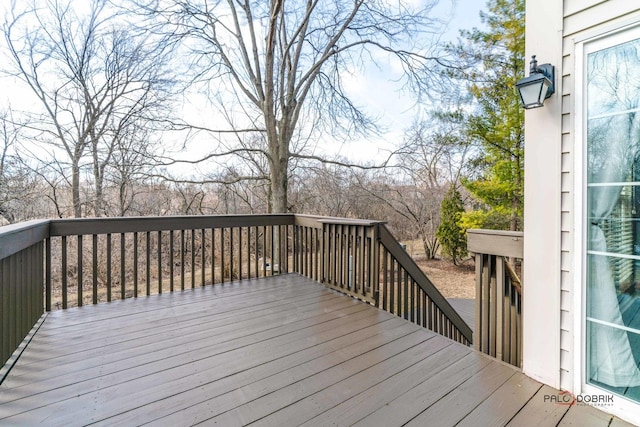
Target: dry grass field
453	281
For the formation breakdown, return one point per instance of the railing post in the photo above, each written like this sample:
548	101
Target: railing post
374	272
320	254
479	326
48	275
500	318
485	303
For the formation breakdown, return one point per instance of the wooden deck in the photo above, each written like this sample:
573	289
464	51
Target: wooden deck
276	351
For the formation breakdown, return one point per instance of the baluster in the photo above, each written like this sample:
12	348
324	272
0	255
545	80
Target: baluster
239	253
213	256
79	294
148	262
135	264
108	267
193	258
424	310
159	243
399	289
406	295
47	279
203	250
123	272
222	266
182	249
272	257
231	253
248	233
94	272
256	236
171	261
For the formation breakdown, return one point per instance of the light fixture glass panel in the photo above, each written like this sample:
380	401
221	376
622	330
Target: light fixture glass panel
531	93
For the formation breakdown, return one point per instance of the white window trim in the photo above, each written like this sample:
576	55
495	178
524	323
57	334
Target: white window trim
606	37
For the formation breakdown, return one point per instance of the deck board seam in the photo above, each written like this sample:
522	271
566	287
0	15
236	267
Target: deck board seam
413	346
202	328
74	396
361	310
380	380
203	314
319	356
72	313
355	312
263	351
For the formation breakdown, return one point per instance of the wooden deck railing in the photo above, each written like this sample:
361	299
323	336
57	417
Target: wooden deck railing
420	300
498	328
338	252
363	259
21	278
103	259
56	264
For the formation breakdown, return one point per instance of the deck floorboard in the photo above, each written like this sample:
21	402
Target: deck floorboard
274	351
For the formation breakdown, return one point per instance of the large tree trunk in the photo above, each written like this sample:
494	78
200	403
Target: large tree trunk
75	189
97	178
279	174
279	203
279	156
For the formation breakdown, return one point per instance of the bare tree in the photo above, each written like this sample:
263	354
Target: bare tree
7	140
17	184
94	77
432	159
324	190
128	168
282	66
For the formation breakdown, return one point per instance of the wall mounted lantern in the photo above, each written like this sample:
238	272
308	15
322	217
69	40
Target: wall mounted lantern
538	86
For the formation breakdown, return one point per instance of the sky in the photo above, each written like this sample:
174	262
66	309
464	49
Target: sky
375	90
396	110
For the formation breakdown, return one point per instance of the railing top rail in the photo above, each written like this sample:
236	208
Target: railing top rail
496	242
317	221
496	232
85	226
350	221
16	237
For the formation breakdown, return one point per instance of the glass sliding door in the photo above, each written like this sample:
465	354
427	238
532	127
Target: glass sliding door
613	215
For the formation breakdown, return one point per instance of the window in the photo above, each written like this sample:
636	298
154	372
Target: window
613	214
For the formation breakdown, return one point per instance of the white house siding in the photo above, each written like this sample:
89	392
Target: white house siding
571	7
580	20
566	221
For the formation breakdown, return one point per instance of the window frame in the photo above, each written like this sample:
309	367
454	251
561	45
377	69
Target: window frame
605	38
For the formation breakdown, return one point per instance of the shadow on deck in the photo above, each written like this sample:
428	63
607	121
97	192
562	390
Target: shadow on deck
278	351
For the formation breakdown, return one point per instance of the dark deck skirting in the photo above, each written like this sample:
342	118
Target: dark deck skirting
274	351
